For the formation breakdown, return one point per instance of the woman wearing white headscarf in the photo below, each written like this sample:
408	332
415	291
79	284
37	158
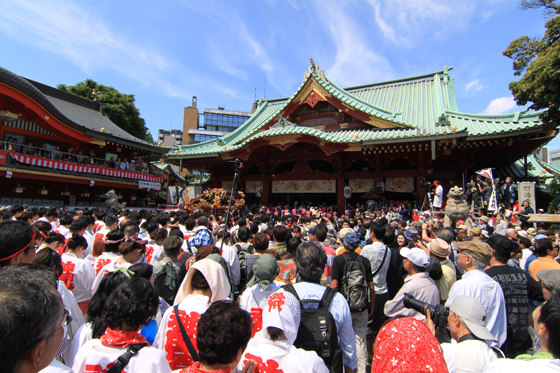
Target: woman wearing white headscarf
205	283
273	346
260	287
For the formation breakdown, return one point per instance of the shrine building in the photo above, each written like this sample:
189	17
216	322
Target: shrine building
383	138
60	149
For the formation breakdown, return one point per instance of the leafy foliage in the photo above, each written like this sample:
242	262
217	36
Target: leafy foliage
554	191
539	61
119	107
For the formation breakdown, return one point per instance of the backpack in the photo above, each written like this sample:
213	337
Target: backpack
317	329
354	286
166	282
242	256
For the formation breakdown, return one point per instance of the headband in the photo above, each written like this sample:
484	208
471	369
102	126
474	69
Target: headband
111	242
42	234
19	251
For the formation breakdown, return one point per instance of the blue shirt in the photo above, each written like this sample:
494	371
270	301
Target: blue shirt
529	260
478	285
341	314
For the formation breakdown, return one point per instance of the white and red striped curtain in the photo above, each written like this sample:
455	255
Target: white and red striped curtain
88	169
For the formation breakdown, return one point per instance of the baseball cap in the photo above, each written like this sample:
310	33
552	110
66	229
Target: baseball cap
477	249
416	256
540	237
550	278
344	231
172	242
410	233
475	231
473	315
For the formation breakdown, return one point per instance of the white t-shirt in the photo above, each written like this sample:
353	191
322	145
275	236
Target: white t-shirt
94	357
467	356
78	276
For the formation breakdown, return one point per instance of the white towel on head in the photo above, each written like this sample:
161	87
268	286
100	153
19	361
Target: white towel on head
214	275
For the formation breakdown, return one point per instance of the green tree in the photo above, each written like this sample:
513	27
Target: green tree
538	60
119	107
554	191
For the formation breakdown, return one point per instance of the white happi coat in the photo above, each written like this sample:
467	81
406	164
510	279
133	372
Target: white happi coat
282	356
106	269
169	337
78	276
93	357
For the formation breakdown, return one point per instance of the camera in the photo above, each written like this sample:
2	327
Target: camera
425	184
438	313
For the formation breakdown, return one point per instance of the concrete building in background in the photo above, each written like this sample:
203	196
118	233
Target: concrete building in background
214	123
171	137
554	159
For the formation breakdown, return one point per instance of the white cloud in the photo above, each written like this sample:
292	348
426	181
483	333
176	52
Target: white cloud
500	105
475	85
405	22
355	62
72	32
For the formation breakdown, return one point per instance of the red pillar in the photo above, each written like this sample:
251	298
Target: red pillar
340	200
266	189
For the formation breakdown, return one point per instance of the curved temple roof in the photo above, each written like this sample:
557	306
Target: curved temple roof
413	108
78	113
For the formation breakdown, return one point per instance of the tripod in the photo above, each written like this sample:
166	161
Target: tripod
238	166
427	198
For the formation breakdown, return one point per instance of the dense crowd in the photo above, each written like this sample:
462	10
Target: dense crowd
299	289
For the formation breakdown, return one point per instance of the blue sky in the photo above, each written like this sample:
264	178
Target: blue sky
166	52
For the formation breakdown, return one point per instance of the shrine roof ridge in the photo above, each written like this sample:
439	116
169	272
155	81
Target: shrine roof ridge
421	107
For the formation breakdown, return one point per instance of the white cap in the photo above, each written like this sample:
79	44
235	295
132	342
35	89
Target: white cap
473	316
416	256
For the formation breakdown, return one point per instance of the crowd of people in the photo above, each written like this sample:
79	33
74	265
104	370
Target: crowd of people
48	151
374	289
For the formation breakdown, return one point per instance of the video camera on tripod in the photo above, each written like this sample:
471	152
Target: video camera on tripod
438	313
426	185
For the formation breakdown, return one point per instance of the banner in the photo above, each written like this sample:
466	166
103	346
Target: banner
399	184
82	168
304	186
361	185
148	185
486	172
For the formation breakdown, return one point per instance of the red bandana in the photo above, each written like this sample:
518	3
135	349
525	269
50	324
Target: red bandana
113	338
195	368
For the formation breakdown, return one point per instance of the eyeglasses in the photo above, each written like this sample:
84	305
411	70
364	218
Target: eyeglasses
65	322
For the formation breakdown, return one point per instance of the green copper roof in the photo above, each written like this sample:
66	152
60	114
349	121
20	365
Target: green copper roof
168	167
536	168
413	104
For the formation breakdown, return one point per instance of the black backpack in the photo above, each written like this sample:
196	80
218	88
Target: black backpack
242	256
354	286
166	282
317	329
